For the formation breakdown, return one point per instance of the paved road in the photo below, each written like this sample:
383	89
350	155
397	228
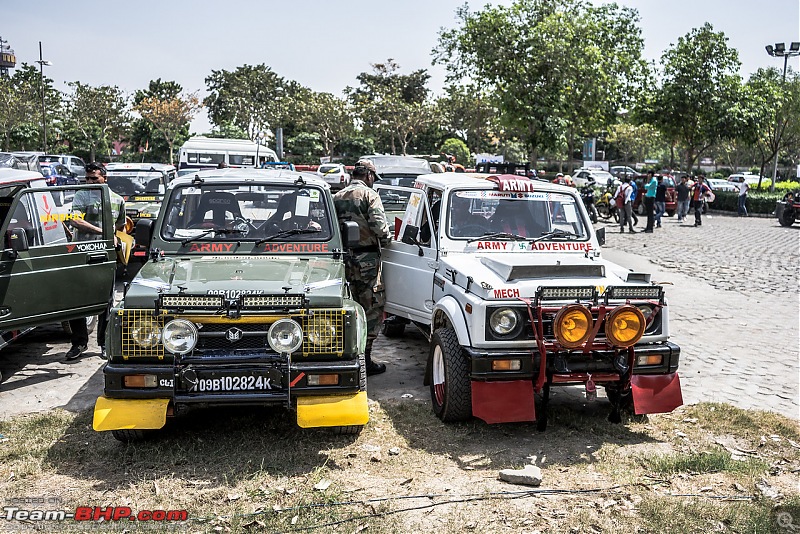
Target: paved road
734	310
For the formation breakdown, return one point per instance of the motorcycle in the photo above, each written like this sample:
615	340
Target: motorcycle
587	196
606	207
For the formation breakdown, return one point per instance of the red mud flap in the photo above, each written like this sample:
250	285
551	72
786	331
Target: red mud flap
503	402
656	393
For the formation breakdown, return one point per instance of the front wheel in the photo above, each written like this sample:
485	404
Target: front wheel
450	387
352	430
130	435
787	217
593	214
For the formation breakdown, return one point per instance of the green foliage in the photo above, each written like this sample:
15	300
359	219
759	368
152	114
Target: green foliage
757	202
513	150
305	146
468	112
227	130
21	110
457	148
715	461
329	117
353	148
95	117
143	136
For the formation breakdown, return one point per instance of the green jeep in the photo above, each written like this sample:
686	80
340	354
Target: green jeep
241	302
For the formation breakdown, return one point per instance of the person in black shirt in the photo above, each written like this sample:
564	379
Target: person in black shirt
683	198
661	200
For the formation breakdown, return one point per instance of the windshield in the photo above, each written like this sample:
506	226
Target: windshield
400	161
133	182
527	215
247	212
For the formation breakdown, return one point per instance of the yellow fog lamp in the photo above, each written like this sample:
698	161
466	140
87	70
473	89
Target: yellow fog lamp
625	326
145	332
572	326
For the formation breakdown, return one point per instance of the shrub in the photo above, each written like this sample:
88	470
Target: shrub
457	147
757	201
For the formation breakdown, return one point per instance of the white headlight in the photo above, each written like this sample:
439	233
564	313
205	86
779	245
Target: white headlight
503	321
285	336
179	336
321	331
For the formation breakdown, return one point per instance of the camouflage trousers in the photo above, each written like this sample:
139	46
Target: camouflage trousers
363	273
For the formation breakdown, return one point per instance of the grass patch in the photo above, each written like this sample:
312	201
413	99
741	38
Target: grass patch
703	462
750	424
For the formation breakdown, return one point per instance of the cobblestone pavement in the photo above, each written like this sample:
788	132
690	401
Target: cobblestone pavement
732	286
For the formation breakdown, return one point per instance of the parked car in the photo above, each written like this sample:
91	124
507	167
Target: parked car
335	174
58	174
672	195
73	163
748	177
621	171
398	170
718	184
581	177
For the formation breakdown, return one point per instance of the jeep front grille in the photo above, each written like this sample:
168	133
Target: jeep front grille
327	328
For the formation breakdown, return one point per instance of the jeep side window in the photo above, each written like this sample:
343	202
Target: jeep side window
87	205
428	231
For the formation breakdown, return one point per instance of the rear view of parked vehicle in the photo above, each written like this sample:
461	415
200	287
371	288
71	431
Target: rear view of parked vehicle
335	174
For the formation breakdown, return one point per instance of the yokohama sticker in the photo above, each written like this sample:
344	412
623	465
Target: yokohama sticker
87	247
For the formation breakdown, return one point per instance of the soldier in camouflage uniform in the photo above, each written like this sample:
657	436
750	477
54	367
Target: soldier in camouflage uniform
89	205
359	203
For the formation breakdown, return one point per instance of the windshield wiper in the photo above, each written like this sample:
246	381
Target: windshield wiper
557	234
221	231
284	233
495	235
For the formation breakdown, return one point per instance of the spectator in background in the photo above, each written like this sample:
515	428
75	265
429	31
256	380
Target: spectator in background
683	198
650	200
744	187
626	213
661	200
699	191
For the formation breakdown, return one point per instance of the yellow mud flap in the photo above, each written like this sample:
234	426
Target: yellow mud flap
134	414
333	410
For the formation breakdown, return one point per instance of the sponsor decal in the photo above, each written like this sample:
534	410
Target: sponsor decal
494	245
212	247
540	246
506	293
295	248
61	217
142	199
513	183
86	247
235	293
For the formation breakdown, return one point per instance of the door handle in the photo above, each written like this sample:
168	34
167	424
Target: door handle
95	258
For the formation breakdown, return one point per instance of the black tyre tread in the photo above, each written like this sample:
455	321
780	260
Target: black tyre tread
129	435
787	218
350	430
457	405
393	330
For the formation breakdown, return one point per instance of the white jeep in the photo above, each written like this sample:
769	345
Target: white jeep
504	275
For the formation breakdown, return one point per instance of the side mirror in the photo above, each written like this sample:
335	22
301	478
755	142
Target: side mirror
17	240
600	233
351	233
410	238
144	231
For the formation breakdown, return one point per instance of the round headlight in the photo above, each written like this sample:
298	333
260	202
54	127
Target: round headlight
646	310
145	333
572	326
625	326
179	336
321	331
503	321
285	336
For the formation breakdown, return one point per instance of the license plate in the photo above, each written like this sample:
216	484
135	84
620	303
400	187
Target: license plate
232	381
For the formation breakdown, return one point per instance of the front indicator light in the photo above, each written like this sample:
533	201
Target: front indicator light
506	365
572	326
653	359
285	336
179	336
140	381
322	380
625	326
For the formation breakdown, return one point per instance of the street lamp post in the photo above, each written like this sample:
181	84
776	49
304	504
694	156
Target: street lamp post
42	63
279	129
779	50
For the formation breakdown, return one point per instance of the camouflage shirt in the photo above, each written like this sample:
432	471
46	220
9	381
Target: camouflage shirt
361	204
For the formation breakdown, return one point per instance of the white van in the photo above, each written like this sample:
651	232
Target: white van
202	152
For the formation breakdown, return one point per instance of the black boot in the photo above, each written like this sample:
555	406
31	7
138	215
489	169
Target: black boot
372	367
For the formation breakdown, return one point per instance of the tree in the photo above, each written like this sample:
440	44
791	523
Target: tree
393	107
635	142
699	101
170	116
557	68
144	138
20	108
96	116
328	116
249	97
468	112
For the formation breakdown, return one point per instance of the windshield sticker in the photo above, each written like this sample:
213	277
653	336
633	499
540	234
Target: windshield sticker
569	213
525	246
302	206
314	195
500	194
295	248
213	247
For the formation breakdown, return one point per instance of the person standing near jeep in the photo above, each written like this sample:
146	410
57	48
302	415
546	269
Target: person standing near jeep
359	203
89	227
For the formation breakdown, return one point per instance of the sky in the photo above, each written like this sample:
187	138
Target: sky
322	44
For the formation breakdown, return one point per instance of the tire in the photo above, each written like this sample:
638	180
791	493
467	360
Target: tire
130	436
593	214
787	217
352	430
640	208
602	210
626	401
91	324
615	213
670	213
451	394
393	328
